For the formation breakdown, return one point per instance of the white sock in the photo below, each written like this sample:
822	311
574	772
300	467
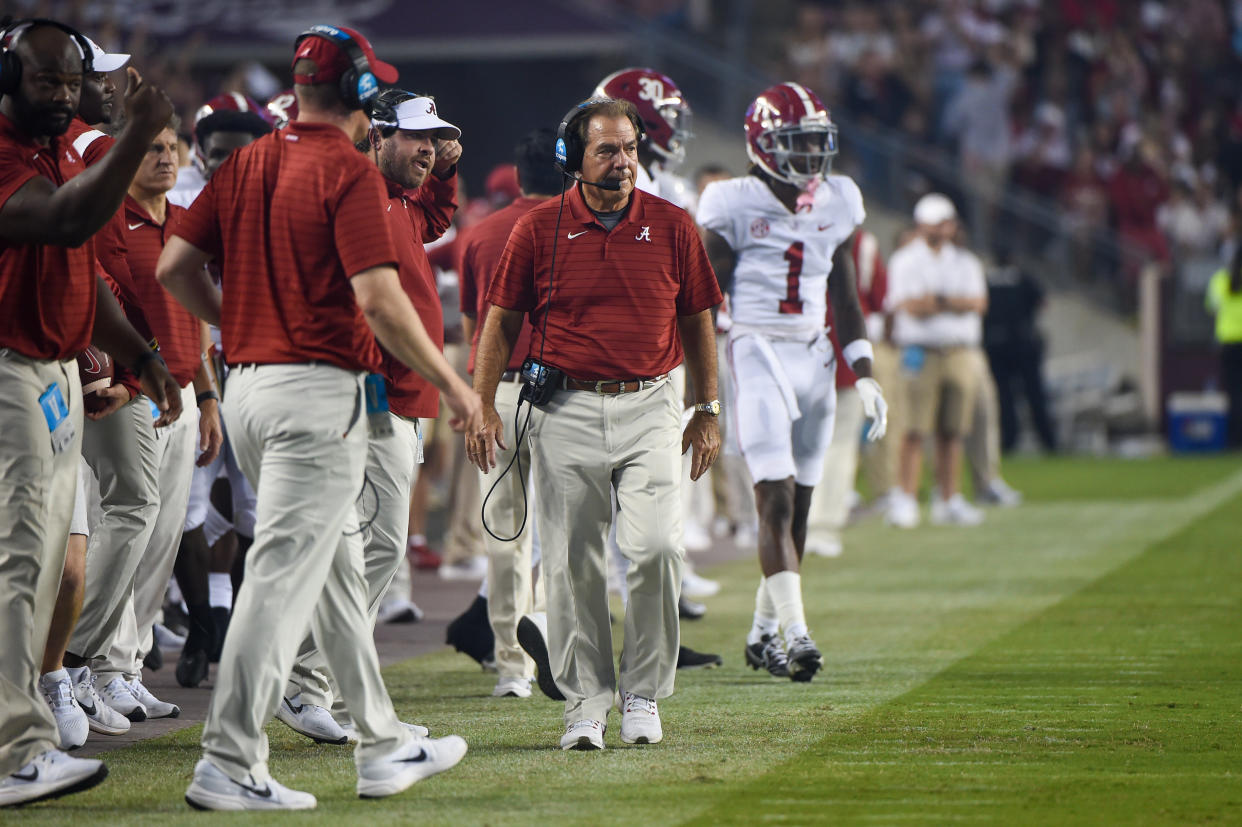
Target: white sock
483	588
785	589
765	622
416	540
52	678
219	589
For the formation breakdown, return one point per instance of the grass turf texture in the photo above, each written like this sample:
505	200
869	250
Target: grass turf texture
1073	661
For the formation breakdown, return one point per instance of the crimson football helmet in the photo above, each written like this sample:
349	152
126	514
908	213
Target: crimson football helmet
234	101
790	135
662	107
282	108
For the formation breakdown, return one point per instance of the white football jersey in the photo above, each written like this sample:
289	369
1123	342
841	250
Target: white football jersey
780	284
664	184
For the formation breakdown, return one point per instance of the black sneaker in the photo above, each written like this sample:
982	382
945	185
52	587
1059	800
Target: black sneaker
769	654
153	660
220	616
532	637
471	632
689	610
804	659
687	658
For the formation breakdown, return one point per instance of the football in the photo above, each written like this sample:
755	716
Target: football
96	371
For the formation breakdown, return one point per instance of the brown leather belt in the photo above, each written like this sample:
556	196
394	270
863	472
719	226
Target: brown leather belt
612	385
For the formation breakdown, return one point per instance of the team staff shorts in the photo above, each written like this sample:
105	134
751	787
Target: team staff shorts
938	389
784	400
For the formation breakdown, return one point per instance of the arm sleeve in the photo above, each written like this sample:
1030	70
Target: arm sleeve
363	239
513	286
699	288
437	201
714	213
14	173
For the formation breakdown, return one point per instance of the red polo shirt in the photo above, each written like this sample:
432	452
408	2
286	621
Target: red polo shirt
174	328
478	254
416	218
88	141
617	294
289	219
47	293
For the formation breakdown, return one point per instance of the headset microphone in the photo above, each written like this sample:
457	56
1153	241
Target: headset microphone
605	184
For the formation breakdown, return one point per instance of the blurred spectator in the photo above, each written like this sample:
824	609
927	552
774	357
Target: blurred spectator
1043	151
1192	220
1224	300
1136	190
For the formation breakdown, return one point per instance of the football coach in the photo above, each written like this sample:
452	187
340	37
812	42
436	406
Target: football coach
617	286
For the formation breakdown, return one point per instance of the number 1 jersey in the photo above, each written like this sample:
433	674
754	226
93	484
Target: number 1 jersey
780	283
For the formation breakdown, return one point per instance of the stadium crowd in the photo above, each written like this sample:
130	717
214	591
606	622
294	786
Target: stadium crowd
184	393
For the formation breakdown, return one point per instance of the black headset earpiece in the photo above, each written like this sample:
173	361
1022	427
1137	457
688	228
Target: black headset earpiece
568	152
11	64
358	87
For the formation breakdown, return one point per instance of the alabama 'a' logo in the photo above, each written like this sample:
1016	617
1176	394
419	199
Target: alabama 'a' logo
645	235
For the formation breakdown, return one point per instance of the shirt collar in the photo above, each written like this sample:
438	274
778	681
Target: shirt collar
11	130
582	213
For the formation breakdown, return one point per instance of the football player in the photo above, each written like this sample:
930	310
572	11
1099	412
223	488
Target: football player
774	236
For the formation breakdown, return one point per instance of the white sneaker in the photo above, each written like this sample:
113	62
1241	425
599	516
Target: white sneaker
154	706
315	722
100	717
71	721
694	537
640	720
421	758
50	775
399	611
583	735
1001	493
512	688
955	511
351	731
472	568
211	789
824	548
903	510
117	694
166	638
696	586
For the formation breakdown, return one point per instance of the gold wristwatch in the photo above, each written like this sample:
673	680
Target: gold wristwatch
712	407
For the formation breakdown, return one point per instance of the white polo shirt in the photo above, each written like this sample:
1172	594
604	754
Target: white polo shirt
917	270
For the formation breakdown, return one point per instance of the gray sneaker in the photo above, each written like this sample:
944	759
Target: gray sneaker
211	789
100	717
769	654
804	659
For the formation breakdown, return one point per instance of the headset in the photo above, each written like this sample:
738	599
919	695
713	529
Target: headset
358	87
569	147
11	64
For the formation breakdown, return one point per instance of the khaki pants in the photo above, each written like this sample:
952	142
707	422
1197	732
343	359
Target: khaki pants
299	433
132	639
879	459
384	512
123	451
830	500
982	444
940	395
509	582
584	445
37	491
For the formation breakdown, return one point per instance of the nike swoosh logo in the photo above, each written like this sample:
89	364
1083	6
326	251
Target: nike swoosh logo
823	227
89	710
422	756
297	710
575	235
266	792
34	775
134	226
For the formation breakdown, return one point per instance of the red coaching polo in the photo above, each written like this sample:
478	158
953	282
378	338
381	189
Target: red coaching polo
47	293
175	329
289	219
478	254
617	294
416	219
88	141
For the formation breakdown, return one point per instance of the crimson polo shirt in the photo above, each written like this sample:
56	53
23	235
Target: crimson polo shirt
478	254
617	294
289	219
47	292
174	328
416	218
89	142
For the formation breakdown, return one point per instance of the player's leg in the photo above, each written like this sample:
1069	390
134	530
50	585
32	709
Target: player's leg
830	504
191	569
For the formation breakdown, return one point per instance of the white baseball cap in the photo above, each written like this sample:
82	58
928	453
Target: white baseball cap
933	208
418	114
104	62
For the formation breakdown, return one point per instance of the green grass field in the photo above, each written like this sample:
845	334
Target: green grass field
1077	660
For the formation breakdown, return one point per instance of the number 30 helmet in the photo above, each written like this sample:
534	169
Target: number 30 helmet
790	135
660	104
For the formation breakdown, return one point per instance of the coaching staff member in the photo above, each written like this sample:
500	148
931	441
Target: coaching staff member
52	306
632	287
296	224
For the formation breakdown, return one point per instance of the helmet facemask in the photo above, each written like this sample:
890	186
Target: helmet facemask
677	116
800	152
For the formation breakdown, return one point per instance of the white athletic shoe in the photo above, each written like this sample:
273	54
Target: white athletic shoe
154	706
117	694
472	568
824	548
1000	493
419	759
100	717
351	731
640	720
50	775
512	688
697	586
71	721
166	638
315	722
399	610
955	511
694	537
586	734
211	789
903	510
